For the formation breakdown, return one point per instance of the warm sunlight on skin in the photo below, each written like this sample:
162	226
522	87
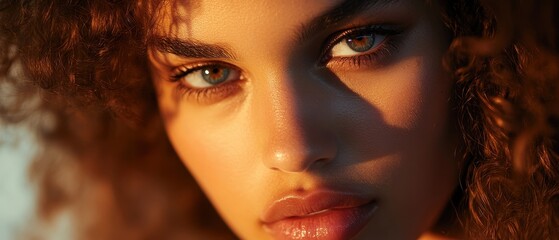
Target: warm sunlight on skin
300	126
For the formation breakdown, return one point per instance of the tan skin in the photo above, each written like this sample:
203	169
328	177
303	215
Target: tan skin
284	113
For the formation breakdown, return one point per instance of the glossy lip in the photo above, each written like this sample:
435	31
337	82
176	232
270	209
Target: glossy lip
320	214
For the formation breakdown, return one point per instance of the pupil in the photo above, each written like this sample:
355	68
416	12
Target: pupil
361	43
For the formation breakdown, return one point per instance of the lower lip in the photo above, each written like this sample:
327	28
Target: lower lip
332	224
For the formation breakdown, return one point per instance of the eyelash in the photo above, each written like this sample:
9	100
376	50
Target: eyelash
384	50
202	94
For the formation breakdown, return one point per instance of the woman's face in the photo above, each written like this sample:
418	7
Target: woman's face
309	119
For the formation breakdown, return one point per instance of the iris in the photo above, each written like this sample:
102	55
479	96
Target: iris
361	43
215	74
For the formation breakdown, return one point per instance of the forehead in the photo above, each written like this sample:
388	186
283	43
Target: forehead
270	30
217	19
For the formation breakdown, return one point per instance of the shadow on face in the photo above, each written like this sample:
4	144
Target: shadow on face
296	117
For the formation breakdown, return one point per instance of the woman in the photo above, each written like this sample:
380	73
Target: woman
316	119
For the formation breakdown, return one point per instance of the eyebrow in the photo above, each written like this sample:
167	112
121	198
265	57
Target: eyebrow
190	48
337	15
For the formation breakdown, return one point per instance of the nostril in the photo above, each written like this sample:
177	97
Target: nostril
317	164
322	161
292	161
299	160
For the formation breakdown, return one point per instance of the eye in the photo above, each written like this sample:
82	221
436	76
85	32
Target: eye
355	44
207	76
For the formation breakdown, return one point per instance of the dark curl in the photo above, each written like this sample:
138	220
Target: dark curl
505	60
81	68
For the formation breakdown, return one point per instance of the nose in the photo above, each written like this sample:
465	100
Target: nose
296	125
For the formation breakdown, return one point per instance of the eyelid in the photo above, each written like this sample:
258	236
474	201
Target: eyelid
206	95
183	70
179	73
332	40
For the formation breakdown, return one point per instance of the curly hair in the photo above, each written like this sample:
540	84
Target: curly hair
507	74
105	155
80	67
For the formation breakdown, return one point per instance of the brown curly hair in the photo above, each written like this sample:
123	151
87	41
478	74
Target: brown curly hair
77	70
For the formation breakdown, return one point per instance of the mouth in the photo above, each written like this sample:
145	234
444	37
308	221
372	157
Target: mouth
318	215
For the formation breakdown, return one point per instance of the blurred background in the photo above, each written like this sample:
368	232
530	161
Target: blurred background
17	198
17	195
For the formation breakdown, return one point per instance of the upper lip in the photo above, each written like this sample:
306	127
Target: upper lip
301	205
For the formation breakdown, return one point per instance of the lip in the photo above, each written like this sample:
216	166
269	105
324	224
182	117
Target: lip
319	214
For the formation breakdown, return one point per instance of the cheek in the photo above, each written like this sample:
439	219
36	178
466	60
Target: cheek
412	99
214	153
410	95
212	145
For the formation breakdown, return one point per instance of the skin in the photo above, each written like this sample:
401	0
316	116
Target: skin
293	124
